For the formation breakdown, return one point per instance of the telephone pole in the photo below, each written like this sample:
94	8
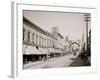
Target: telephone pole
87	19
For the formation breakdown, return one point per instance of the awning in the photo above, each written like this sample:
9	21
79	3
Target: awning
58	51
43	51
30	50
51	50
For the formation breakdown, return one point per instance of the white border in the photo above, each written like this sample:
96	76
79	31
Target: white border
17	70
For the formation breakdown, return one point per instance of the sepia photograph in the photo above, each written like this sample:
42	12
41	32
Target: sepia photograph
54	39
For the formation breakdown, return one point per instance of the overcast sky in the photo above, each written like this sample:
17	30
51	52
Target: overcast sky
69	24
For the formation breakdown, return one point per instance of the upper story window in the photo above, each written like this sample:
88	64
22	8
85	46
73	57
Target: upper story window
23	34
53	44
50	43
33	37
36	39
28	38
40	40
45	42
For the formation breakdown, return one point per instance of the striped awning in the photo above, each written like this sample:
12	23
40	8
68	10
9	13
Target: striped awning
51	50
43	51
58	51
30	50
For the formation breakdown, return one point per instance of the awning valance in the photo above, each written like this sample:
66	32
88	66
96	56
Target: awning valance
51	50
30	50
58	51
33	50
43	51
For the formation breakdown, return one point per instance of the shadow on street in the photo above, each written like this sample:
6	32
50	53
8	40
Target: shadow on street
80	62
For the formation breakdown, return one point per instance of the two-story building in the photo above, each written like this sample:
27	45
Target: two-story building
39	44
36	41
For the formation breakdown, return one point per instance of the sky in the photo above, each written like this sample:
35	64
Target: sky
69	24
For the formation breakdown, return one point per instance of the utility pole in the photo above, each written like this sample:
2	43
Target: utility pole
87	19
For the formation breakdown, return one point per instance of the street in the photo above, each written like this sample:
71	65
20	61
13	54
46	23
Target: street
57	62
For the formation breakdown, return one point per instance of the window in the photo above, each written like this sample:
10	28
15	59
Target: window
33	37
45	42
23	34
28	36
40	40
50	43
36	39
53	45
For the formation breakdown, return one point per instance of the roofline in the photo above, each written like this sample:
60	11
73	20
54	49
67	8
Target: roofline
60	35
33	24
36	26
51	35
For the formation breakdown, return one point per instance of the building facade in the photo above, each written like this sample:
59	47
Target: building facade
38	44
56	34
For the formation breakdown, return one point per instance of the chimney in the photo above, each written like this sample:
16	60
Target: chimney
55	31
